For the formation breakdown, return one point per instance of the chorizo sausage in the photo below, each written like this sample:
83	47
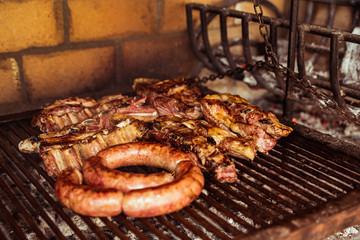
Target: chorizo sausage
97	174
171	197
155	200
86	200
142	153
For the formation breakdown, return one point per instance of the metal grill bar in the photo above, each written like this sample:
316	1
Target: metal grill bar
225	40
2	235
234	206
288	206
302	196
86	220
37	185
321	173
225	211
164	220
151	227
263	212
265	182
339	162
295	175
188	225
275	209
114	228
290	83
7	216
122	221
14	177
232	231
22	210
208	225
292	179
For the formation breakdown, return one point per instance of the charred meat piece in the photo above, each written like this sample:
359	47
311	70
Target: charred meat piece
101	121
254	115
231	112
63	152
138	109
264	142
112	120
227	141
169	131
177	97
66	112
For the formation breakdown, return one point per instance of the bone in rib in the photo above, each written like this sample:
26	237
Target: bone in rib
67	112
62	152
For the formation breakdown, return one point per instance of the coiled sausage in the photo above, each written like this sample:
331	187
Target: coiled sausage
96	173
171	197
86	200
158	197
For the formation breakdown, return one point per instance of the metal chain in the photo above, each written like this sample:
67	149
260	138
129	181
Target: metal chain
230	72
270	56
272	62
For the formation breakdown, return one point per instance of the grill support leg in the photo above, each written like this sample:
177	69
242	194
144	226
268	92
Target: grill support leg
288	100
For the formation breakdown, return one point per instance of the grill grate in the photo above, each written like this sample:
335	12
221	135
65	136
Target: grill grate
297	177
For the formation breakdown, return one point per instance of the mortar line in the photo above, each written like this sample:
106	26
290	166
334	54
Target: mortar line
67	21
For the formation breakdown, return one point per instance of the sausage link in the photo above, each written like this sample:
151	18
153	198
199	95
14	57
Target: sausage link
99	170
142	153
96	174
146	202
151	202
86	200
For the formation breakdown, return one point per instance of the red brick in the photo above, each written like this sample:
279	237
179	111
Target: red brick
25	24
157	57
174	14
10	91
68	73
94	20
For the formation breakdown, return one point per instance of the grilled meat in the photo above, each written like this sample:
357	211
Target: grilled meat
254	115
66	112
227	141
77	128
177	97
77	132
62	152
169	130
244	112
138	109
231	112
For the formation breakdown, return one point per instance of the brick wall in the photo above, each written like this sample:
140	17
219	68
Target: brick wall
61	48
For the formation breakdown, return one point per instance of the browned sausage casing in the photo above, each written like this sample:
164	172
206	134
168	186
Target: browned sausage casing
97	174
156	200
86	200
142	153
150	202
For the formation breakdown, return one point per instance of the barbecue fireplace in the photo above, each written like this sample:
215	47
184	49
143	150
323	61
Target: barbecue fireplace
307	187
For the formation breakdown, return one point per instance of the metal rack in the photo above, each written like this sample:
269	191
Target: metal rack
219	57
300	186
